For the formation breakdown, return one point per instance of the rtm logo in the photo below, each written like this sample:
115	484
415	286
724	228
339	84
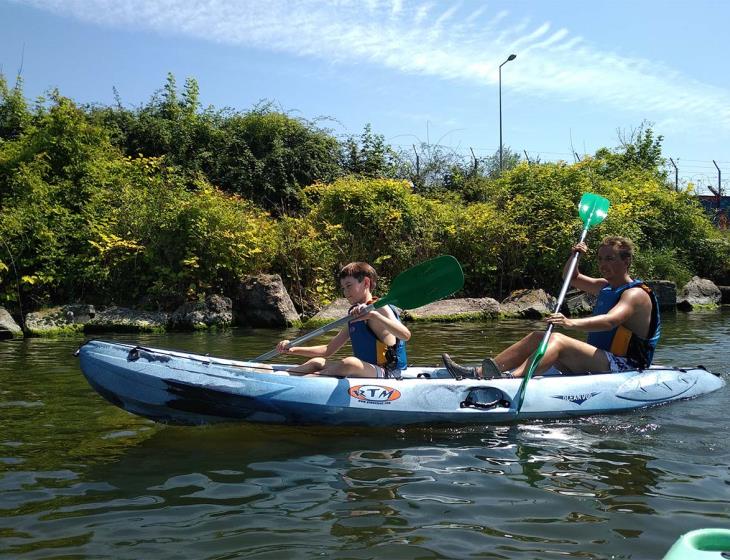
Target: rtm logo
376	394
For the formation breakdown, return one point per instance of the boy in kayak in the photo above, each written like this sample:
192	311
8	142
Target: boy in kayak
378	337
622	332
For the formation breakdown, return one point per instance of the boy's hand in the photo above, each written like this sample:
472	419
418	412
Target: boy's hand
283	347
357	312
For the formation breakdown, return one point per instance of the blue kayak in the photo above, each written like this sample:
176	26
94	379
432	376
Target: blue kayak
182	388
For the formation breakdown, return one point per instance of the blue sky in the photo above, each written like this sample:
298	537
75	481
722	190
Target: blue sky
416	70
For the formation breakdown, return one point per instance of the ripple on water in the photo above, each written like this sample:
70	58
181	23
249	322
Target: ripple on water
80	478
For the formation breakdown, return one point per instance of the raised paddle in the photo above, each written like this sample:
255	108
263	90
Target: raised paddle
592	209
424	283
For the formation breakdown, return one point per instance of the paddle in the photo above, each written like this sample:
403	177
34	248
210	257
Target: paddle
592	209
424	283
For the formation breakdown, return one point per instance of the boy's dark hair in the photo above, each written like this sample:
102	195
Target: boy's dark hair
359	271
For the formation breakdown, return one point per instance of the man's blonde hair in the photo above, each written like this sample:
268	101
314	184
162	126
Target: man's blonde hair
623	245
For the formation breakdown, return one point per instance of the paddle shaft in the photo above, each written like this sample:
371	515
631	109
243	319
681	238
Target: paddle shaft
549	331
321	330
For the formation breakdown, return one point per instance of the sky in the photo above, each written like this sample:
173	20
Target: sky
585	75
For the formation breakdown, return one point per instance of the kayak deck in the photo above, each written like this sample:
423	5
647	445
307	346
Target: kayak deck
184	388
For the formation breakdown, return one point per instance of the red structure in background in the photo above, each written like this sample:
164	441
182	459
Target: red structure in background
717	207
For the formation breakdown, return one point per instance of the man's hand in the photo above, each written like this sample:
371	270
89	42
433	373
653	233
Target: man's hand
581	248
560	320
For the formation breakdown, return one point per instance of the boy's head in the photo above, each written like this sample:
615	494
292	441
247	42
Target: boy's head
359	271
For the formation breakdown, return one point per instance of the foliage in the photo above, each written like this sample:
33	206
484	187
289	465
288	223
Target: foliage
380	221
14	114
639	150
46	175
263	155
368	156
83	221
308	260
170	202
490	164
164	241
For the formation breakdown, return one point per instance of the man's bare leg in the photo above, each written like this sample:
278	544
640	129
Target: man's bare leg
515	355
572	355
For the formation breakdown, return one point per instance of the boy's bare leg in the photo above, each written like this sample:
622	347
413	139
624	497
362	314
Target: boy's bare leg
348	367
309	367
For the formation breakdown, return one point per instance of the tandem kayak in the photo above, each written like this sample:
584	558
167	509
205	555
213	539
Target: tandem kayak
182	388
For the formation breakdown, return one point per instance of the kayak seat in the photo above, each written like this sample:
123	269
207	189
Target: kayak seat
485	398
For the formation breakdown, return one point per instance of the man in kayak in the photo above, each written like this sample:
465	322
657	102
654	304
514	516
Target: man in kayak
622	332
378	337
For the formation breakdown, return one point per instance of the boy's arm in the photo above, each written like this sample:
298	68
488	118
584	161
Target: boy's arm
320	351
393	325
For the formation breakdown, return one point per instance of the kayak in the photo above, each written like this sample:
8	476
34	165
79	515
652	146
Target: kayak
707	544
182	388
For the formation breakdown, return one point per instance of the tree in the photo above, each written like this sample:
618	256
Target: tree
638	149
368	155
14	114
490	164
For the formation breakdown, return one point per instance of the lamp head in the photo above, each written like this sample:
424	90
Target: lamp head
512	57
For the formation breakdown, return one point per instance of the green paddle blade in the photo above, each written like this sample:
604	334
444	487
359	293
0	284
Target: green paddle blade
593	209
424	283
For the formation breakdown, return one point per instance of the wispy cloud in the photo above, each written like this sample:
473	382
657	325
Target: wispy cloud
423	37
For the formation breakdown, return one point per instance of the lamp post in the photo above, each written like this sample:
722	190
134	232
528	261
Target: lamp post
510	57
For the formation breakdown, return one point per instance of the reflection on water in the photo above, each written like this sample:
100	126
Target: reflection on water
83	479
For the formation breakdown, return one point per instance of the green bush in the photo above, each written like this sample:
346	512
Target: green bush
380	221
171	241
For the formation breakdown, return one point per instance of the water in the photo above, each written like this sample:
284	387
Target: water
80	478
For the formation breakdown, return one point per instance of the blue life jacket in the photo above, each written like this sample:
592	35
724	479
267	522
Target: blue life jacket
369	348
620	341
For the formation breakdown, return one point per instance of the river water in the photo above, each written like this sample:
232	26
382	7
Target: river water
80	478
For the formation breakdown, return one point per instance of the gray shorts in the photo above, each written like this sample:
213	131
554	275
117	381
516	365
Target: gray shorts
617	364
382	373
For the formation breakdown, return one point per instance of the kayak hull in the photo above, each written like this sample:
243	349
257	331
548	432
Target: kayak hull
183	388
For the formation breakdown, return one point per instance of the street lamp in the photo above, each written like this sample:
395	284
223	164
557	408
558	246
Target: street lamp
510	57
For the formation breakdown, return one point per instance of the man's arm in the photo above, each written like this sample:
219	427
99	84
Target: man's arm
580	281
631	302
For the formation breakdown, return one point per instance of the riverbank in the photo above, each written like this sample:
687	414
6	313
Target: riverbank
260	309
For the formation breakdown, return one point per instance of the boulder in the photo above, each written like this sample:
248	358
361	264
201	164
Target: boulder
215	312
122	319
66	319
455	310
335	310
699	292
665	292
528	304
578	304
262	301
8	327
